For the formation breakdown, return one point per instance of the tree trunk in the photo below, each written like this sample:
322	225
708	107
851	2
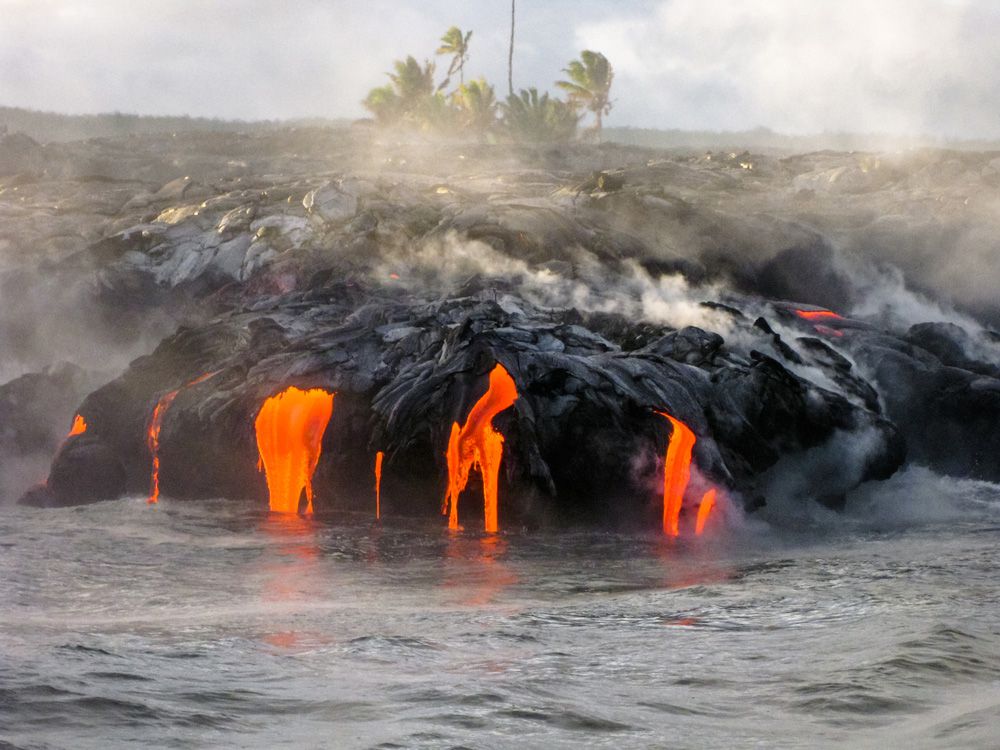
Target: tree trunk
510	55
599	124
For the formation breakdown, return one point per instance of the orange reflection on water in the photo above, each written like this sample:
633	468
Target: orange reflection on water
292	577
474	567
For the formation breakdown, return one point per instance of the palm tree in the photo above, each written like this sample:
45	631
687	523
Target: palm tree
530	118
455	43
510	54
476	103
412	81
408	95
590	85
383	102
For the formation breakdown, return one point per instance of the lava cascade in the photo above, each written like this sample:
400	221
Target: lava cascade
477	444
677	476
676	473
290	427
153	441
704	511
153	433
378	484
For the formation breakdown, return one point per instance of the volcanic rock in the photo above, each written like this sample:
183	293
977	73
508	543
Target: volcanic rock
611	283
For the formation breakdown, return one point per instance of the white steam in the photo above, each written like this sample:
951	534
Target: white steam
586	283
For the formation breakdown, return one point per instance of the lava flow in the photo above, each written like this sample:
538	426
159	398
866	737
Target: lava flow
378	484
704	511
818	315
290	429
477	444
153	441
79	426
153	433
676	473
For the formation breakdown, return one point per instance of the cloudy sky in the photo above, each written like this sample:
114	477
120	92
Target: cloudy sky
797	66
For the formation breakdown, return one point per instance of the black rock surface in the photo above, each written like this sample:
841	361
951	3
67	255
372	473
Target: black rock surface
398	276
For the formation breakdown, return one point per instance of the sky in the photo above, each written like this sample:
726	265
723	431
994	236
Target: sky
907	67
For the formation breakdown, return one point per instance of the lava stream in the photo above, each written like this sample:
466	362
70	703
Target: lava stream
704	511
477	444
676	473
79	426
378	484
818	315
153	433
153	441
290	429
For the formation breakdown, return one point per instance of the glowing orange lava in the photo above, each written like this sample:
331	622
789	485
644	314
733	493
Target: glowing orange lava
79	426
676	473
290	429
153	441
378	484
704	511
818	315
153	433
477	444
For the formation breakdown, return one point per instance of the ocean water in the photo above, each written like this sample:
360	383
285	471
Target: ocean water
194	625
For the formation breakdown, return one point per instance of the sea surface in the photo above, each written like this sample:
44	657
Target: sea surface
202	625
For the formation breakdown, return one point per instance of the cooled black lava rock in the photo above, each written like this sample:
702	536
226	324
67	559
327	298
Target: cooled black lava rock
84	471
584	440
949	415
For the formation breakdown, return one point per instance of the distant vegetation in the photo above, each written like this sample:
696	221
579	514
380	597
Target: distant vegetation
48	127
413	100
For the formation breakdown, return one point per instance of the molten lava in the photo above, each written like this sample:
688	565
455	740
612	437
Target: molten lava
290	429
153	433
378	484
477	444
818	315
676	473
704	511
79	426
153	441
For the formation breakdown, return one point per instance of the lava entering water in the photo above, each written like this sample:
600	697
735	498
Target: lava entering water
290	429
79	426
676	473
704	511
477	444
153	441
153	433
378	484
